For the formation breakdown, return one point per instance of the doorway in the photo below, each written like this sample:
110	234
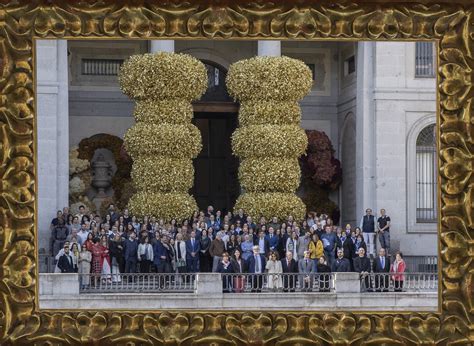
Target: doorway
216	169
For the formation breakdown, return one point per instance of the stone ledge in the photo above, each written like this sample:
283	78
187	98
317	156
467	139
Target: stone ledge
404	301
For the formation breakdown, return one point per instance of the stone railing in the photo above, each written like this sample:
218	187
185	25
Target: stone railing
62	291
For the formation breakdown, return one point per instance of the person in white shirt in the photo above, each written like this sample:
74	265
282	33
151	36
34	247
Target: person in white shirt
82	234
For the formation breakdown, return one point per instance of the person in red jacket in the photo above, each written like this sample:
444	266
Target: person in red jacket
397	269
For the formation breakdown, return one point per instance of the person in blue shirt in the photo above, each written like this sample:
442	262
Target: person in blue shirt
329	243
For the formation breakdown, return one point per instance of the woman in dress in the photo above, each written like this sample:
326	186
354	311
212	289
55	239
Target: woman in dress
247	248
85	258
397	269
106	268
75	256
225	267
204	257
238	265
89	243
273	266
145	255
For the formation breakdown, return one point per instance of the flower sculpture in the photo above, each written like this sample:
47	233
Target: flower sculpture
163	141
269	139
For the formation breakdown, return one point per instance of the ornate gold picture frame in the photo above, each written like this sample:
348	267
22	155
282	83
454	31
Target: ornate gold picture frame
450	24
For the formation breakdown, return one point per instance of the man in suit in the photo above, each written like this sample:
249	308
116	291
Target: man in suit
308	267
192	253
362	266
341	264
160	255
289	266
65	263
262	243
131	253
273	239
256	265
345	243
303	243
381	264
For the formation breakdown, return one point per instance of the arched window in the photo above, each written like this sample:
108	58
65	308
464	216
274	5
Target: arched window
216	88
426	175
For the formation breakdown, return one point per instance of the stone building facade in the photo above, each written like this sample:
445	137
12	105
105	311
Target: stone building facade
367	97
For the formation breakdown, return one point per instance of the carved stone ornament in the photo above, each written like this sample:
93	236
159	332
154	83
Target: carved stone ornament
450	23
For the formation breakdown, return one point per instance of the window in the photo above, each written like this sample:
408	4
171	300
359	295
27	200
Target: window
349	65
426	176
100	67
424	59
313	69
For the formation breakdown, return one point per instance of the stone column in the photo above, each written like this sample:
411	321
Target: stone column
365	130
269	48
162	46
53	133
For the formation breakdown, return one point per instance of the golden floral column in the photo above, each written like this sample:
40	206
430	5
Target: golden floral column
163	141
269	140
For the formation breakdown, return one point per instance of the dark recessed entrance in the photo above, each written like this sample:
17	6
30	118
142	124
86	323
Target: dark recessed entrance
215	178
216	169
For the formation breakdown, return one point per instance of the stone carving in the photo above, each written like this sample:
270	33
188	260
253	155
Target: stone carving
101	175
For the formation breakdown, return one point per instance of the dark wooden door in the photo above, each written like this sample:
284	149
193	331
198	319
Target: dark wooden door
216	169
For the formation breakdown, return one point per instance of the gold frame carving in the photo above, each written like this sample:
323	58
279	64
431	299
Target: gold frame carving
450	24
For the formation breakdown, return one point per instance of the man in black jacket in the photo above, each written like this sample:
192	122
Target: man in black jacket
362	266
65	263
289	266
345	243
381	264
341	264
131	254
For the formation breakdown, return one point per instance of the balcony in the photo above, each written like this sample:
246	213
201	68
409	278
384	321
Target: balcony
204	291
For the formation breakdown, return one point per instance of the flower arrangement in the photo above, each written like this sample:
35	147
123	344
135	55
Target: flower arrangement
269	139
319	164
163	142
321	174
168	140
163	76
259	112
76	186
266	78
77	165
269	174
175	174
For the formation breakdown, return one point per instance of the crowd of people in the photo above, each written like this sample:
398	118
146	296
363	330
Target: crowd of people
210	241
